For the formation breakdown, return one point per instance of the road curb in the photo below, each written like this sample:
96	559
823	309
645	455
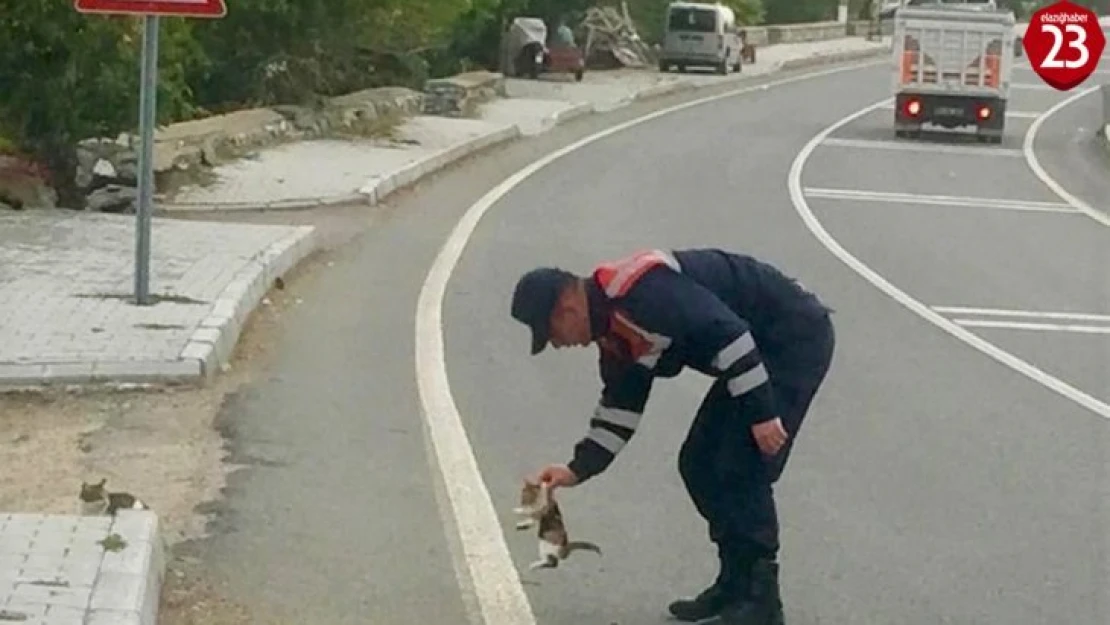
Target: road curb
372	193
376	191
128	588
667	88
213	342
837	57
206	351
83	569
573	112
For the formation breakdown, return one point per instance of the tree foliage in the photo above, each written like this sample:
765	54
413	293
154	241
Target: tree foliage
66	77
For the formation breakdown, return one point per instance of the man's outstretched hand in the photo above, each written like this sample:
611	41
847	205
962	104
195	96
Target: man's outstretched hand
770	436
557	475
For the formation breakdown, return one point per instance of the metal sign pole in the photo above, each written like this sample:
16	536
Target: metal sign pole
148	97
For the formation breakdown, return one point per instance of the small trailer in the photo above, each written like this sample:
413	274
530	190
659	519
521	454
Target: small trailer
952	69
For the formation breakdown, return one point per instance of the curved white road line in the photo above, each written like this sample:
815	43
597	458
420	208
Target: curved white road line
797	196
492	575
1049	181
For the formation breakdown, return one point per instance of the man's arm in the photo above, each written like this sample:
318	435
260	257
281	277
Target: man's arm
623	398
723	346
719	341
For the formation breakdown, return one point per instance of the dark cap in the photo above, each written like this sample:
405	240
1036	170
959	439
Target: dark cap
534	299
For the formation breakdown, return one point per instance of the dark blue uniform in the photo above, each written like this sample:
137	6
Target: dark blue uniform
765	338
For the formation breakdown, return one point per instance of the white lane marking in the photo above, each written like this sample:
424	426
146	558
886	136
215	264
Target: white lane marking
1034	164
1023	325
1033	86
1023	114
494	579
936	200
1000	312
919	146
797	196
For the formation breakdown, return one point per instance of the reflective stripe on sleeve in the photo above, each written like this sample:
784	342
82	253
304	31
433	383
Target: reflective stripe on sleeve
616	416
734	351
747	381
607	439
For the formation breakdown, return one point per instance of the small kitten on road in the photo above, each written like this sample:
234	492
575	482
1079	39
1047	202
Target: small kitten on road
537	503
95	500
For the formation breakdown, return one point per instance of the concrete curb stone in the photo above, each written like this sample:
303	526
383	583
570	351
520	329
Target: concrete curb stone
375	192
572	112
836	57
213	342
370	194
667	88
62	570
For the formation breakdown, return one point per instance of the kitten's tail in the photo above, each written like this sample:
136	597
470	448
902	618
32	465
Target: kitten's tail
581	545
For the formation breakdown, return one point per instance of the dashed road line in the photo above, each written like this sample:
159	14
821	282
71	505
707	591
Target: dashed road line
1004	319
1025	325
889	197
1023	114
868	144
1029	314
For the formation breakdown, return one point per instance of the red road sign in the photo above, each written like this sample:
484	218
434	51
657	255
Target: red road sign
169	8
1064	42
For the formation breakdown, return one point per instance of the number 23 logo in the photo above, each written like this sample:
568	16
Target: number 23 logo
1078	43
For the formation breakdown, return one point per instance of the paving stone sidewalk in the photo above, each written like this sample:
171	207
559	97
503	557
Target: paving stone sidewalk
80	570
66	285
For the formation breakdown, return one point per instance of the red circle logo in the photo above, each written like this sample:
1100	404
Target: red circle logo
1064	42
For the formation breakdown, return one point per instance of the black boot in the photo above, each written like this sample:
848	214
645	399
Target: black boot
764	605
725	590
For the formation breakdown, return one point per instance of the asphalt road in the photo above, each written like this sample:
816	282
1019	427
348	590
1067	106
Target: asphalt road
931	485
334	516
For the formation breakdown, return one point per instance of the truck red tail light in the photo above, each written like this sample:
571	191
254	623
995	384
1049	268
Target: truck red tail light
912	107
984	112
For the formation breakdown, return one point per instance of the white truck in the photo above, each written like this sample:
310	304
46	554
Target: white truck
952	67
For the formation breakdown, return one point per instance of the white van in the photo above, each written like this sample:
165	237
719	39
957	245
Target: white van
700	34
